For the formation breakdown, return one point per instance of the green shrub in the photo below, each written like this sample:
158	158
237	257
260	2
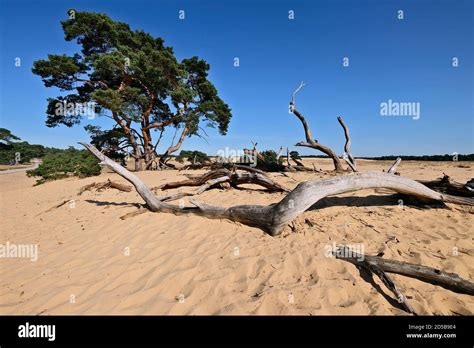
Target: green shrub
295	155
65	163
198	156
271	163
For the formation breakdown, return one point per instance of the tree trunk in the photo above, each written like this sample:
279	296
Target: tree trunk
138	156
173	148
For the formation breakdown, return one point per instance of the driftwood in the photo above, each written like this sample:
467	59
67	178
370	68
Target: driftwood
273	218
206	186
234	166
248	169
443	185
235	178
379	266
196	165
100	186
449	186
254	154
299	166
310	141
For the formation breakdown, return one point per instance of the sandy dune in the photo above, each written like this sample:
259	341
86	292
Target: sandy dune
165	264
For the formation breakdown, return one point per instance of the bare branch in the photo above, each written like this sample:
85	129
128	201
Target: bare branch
293	95
347	147
310	142
394	166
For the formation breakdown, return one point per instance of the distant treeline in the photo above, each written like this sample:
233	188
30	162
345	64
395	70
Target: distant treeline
446	157
57	163
25	150
28	151
469	157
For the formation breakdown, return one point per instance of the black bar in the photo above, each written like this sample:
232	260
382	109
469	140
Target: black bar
330	330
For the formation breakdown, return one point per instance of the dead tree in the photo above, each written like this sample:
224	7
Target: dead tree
310	141
234	178
273	218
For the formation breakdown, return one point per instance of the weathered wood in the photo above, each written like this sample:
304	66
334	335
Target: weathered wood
449	186
310	141
201	189
99	186
173	148
248	169
118	186
279	153
379	266
347	146
347	254
394	166
315	169
198	181
235	178
275	217
443	185
297	161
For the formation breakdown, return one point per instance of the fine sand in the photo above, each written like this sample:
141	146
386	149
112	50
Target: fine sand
92	262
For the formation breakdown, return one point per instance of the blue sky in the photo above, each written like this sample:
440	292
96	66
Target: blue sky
407	60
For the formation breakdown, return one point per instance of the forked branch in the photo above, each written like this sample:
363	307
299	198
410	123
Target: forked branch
310	142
